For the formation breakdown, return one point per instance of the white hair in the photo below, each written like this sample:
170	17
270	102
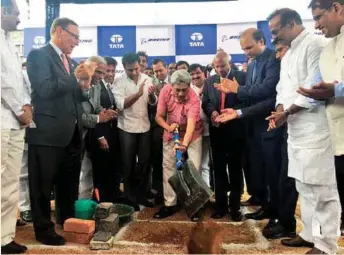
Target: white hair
180	76
97	59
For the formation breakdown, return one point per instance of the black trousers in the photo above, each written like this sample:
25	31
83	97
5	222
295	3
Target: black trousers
339	161
266	160
49	167
227	151
247	168
288	192
156	157
136	173
107	168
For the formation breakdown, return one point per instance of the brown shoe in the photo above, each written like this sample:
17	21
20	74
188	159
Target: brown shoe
297	242
315	251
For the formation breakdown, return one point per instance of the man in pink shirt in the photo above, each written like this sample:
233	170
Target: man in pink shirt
179	105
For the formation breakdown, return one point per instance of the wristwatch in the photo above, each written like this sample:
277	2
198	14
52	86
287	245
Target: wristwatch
287	112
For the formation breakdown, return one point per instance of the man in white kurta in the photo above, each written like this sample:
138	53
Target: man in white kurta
310	152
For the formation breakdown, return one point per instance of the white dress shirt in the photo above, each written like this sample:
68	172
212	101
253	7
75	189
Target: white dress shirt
133	119
13	92
204	117
309	144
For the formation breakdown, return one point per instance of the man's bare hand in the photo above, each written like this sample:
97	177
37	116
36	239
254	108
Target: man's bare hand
213	117
151	90
103	144
142	85
320	91
173	127
276	119
26	117
227	86
85	71
103	116
111	114
227	115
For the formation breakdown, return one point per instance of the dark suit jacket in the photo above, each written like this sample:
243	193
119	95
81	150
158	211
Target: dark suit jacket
211	101
56	98
261	92
109	129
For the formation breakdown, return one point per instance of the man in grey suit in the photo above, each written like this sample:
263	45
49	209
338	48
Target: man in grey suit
54	147
93	114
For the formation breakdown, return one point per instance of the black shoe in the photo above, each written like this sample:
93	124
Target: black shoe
297	242
258	215
196	217
26	216
145	202
275	230
218	214
236	216
150	195
165	212
252	201
20	223
13	248
51	239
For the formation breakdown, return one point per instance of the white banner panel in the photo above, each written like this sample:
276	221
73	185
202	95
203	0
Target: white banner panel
119	68
196	59
88	43
310	26
228	36
156	40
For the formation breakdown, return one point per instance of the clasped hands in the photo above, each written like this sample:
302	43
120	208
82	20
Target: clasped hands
227	86
107	115
84	73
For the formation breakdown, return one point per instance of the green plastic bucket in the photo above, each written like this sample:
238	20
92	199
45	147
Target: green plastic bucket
85	209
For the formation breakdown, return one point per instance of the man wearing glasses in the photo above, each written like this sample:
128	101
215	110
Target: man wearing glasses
55	145
329	18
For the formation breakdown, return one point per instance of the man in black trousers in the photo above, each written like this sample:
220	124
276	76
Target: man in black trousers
226	140
55	145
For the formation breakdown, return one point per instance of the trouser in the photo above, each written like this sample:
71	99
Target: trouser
136	173
156	157
24	194
320	215
266	159
12	147
288	192
339	163
169	166
86	181
205	167
227	154
107	169
49	166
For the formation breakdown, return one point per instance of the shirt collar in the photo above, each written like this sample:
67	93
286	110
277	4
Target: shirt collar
299	39
57	49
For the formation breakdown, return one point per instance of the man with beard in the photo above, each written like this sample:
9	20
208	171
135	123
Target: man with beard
227	140
329	18
310	152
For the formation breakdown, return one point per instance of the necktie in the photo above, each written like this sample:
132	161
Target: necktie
112	98
65	62
223	99
254	71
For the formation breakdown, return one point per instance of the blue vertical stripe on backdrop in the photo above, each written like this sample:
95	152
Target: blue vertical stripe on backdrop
264	26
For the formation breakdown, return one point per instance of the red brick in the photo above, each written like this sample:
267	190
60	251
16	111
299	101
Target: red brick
78	238
79	226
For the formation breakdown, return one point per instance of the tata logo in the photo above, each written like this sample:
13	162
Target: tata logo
149	40
116	42
230	37
197	40
38	42
85	40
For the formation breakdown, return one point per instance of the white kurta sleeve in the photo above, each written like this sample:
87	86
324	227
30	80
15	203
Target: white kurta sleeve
118	91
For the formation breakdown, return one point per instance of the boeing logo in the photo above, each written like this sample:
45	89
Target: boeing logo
116	42
39	41
231	37
197	40
149	40
85	40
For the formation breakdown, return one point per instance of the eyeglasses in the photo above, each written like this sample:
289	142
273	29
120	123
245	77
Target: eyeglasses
76	37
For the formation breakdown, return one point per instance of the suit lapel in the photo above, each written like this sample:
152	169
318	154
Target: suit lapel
56	58
249	74
217	92
92	93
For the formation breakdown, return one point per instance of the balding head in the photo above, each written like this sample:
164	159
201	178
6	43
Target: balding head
221	63
252	42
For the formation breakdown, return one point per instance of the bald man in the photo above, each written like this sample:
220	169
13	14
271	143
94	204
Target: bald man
227	140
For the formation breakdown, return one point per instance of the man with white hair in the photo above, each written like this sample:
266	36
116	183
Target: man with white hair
178	107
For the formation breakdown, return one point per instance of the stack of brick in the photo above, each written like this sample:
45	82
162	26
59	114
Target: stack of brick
107	226
79	231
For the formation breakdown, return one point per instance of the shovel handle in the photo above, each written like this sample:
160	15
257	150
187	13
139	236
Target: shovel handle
179	154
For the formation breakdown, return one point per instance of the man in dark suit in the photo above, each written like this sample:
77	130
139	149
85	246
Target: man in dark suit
105	150
226	140
55	145
260	92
